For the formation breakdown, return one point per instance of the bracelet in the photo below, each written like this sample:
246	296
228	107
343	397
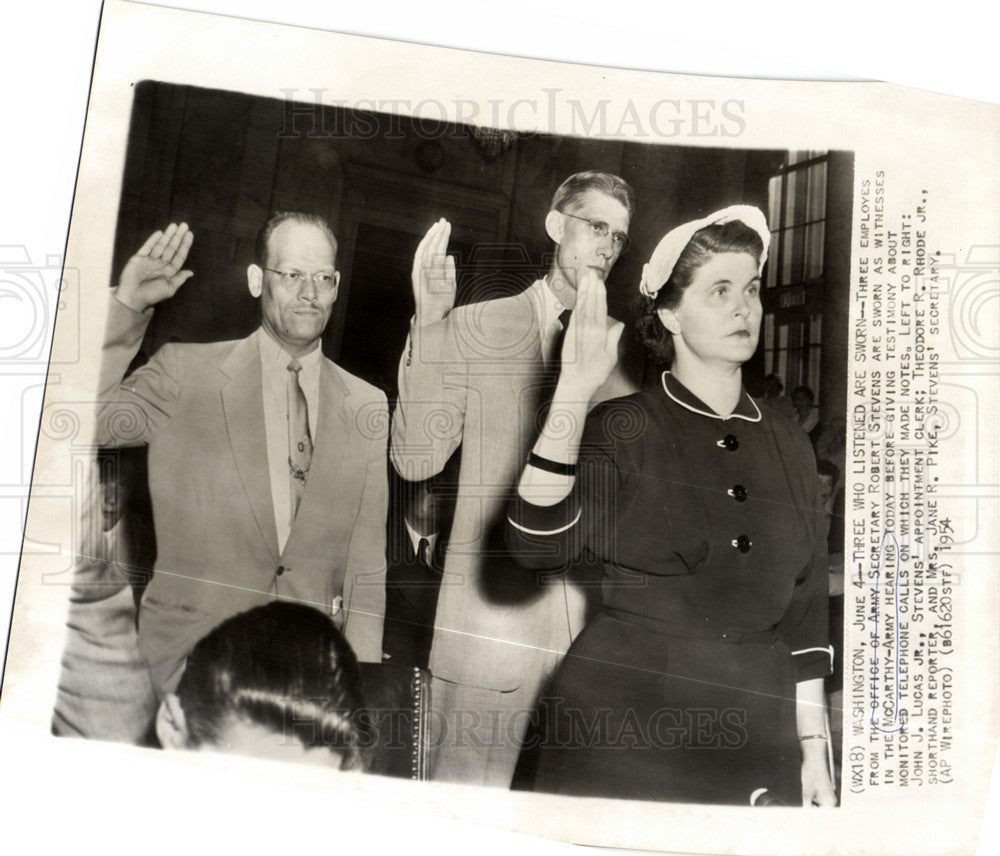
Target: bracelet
814	737
551	466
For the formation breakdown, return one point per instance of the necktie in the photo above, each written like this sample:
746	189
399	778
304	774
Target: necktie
300	447
552	343
560	337
552	367
424	552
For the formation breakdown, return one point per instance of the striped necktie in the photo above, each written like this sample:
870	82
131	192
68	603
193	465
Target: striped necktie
300	446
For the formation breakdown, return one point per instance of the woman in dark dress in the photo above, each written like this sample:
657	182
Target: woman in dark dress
701	678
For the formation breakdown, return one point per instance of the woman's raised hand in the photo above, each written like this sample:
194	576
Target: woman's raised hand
590	348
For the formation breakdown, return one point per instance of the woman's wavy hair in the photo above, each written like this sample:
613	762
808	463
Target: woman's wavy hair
732	237
283	666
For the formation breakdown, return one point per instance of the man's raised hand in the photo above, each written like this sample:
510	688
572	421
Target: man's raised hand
433	275
155	272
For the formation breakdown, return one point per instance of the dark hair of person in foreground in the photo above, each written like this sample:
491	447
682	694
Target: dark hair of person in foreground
278	681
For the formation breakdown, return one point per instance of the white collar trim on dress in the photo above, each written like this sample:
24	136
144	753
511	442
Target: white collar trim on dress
750	411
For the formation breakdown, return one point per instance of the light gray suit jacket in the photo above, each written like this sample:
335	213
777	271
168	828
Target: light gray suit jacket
199	407
477	379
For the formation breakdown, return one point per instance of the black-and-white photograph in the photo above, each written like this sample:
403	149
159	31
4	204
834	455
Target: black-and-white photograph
347	416
580	459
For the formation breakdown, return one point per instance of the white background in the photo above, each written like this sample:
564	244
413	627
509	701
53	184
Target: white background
45	64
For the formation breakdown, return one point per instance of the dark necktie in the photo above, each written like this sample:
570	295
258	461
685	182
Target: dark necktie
424	552
300	446
559	338
551	376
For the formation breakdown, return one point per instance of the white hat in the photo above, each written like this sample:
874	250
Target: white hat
657	270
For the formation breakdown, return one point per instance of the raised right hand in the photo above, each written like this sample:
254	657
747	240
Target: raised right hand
433	275
590	349
154	273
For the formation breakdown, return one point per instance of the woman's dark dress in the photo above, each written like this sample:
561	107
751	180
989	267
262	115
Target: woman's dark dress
714	602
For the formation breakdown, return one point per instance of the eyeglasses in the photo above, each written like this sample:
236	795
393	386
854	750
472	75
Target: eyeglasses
324	281
601	229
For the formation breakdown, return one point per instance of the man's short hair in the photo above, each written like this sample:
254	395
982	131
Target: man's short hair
279	217
283	666
572	190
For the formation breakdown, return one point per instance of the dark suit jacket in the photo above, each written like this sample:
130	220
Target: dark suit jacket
200	409
411	595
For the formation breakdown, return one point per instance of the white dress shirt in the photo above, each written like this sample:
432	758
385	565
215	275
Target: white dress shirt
274	362
548	308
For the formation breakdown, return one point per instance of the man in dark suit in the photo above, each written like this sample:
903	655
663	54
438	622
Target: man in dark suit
267	463
416	563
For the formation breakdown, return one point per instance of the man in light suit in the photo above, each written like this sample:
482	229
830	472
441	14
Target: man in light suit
267	461
478	375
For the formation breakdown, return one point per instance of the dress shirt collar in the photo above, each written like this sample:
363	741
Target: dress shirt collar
552	306
274	356
416	536
548	308
745	407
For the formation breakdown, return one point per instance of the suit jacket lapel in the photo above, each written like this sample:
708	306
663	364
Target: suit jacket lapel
509	327
517	331
243	408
